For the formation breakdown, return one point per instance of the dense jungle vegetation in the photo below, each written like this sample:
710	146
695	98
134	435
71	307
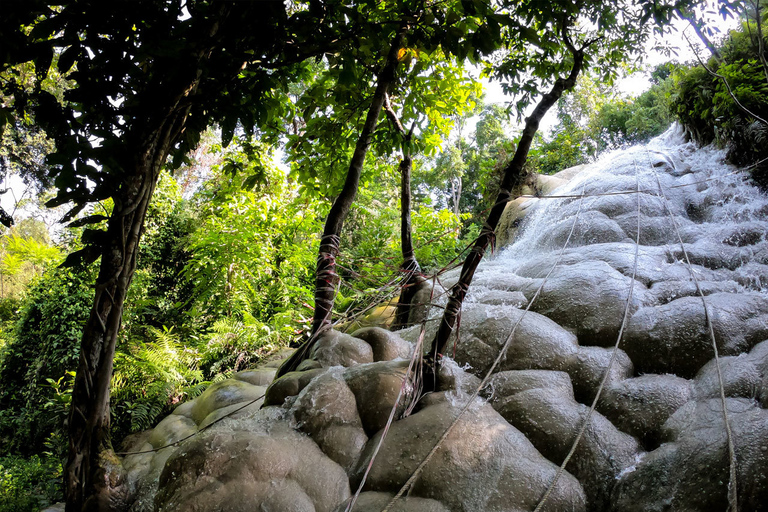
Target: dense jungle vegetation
226	271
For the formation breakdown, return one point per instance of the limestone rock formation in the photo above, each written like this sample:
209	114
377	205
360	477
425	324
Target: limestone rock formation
656	439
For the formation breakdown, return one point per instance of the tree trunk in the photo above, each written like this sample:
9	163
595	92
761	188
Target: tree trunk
511	180
326	278
93	473
90	481
410	267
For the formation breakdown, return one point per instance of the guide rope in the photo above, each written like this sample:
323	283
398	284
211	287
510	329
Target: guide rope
732	483
417	472
607	371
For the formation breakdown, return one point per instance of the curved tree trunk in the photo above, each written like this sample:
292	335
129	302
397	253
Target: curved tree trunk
326	278
512	176
93	473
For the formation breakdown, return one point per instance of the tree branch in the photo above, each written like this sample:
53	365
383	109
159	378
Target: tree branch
727	85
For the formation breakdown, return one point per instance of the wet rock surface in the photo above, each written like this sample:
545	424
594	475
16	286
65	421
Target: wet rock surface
656	440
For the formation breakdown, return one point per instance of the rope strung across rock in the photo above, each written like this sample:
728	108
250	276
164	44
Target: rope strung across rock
414	368
732	483
505	347
606	374
193	434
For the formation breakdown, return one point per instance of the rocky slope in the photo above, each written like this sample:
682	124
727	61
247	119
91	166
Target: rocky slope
657	439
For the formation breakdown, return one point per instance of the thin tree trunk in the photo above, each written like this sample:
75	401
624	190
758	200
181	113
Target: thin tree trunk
326	278
410	267
511	180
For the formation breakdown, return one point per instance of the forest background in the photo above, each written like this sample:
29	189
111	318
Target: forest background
225	272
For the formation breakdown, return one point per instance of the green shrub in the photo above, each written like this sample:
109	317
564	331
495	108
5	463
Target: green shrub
27	485
44	346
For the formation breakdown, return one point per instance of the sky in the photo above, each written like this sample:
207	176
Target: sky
639	82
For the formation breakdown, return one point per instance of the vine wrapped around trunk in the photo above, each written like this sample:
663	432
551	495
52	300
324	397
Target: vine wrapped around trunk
326	277
513	173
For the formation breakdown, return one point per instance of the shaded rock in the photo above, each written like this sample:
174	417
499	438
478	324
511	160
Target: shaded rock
245	471
494	276
741	378
508	383
386	345
185	409
275	359
753	276
222	394
653	266
422	301
759	357
667	291
234	410
377	501
690	471
589	298
539	343
453	377
171	429
257	377
592	227
641	405
343	444
588	366
376	388
551	420
326	410
289	385
308	364
673	338
653	230
483	465
618	205
334	348
712	255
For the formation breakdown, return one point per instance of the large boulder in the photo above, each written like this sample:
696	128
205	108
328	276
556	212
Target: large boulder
386	345
334	348
741	378
641	405
690	471
589	298
376	388
224	393
588	366
326	409
539	343
484	465
674	338
551	420
245	470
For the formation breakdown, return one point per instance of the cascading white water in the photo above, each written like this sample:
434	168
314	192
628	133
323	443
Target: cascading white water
721	215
